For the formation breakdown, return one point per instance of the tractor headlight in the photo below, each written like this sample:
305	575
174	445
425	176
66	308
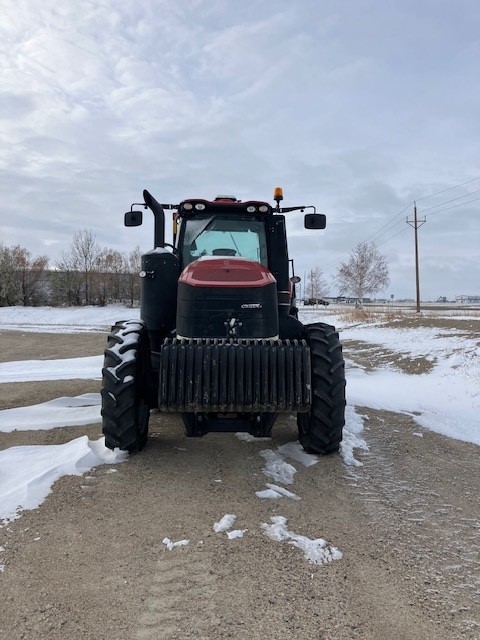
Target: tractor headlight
188	206
263	208
199	206
251	209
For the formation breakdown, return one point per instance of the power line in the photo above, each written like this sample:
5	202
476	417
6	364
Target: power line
454	206
329	265
424	198
447	201
387	223
332	263
448	189
385	228
394	236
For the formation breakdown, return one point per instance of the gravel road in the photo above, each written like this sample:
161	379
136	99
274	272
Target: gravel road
90	561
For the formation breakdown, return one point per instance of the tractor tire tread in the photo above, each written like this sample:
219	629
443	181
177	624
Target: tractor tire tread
125	418
320	431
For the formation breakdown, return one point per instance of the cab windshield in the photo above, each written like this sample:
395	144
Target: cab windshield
224	236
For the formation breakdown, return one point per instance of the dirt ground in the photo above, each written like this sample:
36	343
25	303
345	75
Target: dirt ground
89	563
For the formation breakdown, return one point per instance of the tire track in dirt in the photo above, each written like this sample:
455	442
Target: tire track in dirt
181	575
431	526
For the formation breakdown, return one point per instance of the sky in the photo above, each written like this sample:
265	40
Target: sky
358	108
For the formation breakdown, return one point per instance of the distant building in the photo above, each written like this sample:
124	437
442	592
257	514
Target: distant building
467	299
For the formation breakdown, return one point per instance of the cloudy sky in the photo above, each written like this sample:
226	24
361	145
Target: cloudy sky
358	107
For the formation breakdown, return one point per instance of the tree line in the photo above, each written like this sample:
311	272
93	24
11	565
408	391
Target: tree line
85	274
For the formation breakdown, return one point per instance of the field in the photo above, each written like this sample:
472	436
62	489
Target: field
229	537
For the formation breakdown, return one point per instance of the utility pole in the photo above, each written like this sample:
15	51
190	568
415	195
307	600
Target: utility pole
416	224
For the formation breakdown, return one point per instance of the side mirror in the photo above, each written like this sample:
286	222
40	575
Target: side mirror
133	218
315	221
295	279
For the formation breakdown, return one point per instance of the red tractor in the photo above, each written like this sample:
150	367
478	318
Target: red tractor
219	340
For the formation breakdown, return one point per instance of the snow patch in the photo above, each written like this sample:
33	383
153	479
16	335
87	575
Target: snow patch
443	400
171	545
27	473
276	467
295	451
247	437
224	523
274	491
351	438
237	533
61	412
88	368
87	319
316	551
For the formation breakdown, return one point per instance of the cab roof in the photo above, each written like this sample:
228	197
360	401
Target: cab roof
224	204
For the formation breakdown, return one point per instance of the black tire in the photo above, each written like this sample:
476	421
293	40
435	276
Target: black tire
126	386
321	429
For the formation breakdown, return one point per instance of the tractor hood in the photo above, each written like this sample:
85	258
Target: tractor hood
221	297
219	271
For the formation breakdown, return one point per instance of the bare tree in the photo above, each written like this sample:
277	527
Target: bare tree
85	252
66	281
315	286
108	277
365	272
29	273
8	284
133	269
20	276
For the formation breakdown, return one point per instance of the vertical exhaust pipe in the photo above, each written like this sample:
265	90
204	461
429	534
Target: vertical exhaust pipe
159	217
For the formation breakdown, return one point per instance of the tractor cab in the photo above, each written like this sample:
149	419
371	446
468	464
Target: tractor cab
221	231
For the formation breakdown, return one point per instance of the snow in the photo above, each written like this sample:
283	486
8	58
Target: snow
316	551
236	533
224	523
27	473
274	491
87	368
295	451
351	437
171	545
247	437
62	412
276	467
64	320
445	400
